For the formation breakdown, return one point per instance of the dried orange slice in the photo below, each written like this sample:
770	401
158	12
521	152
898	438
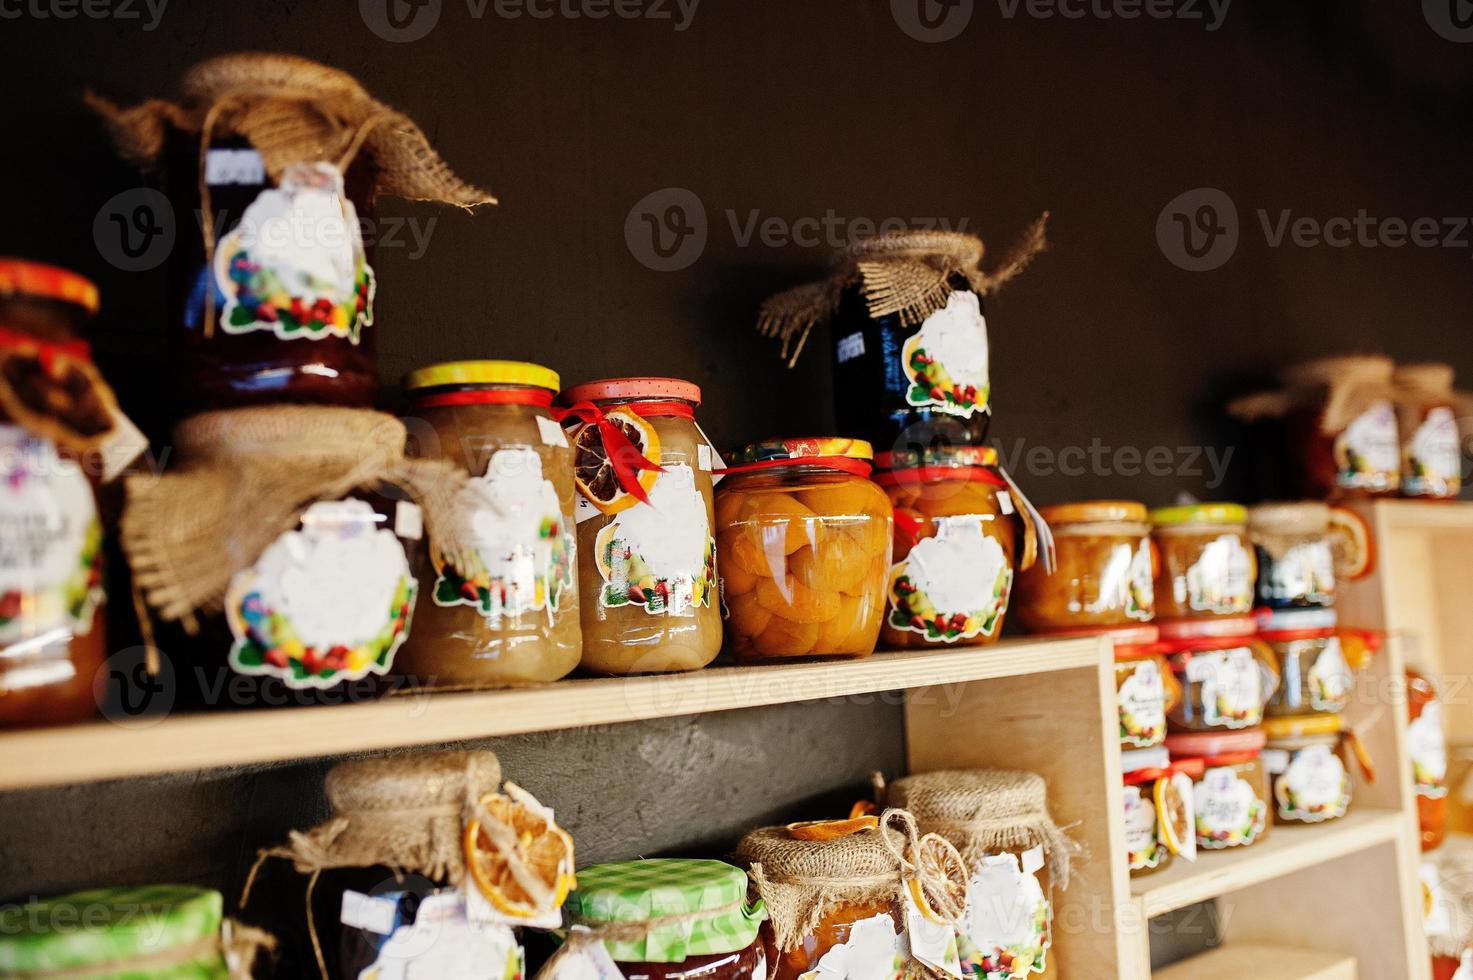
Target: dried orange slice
826	830
520	860
1352	544
1176	814
594	472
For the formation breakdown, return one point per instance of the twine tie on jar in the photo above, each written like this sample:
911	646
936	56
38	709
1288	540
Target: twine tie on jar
931	862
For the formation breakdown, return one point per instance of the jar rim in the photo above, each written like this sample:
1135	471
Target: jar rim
22	277
1186	515
1095	512
485	372
652	389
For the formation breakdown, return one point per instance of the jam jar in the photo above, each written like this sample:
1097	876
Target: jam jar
501	607
1230	795
1427	746
1296	561
1431	447
1146	691
803	544
1206	565
1315	677
672	919
403	925
958	538
1227	674
1306	759
646	552
1158	802
1342	426
1103	573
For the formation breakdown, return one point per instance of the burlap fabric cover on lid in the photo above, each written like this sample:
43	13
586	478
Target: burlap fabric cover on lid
1277	527
906	273
984	811
1418	384
1347	386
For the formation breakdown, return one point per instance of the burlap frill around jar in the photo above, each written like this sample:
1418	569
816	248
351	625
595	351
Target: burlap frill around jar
1338	388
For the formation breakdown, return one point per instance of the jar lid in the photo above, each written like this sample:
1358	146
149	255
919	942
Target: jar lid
693	908
1095	512
1217	627
1206	745
1199	514
18	277
1295	517
103	927
937	456
1300	726
483	373
1295	620
800	449
652	388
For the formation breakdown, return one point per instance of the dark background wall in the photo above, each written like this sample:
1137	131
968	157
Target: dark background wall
788	110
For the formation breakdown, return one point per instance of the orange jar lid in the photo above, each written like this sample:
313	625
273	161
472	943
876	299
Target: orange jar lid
1095	512
645	388
19	277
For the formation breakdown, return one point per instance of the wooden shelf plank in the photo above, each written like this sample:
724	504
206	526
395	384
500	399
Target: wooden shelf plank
103	750
1287	849
1261	962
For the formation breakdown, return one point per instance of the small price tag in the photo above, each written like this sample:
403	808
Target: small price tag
703	455
850	347
552	433
583	510
1005	502
243	166
369	913
409	521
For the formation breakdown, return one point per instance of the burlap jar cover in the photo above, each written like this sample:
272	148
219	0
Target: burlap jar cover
906	273
1344	388
1420	385
1278	527
1448	878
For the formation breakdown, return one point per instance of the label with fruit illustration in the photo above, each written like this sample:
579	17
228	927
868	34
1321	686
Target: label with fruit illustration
1142	700
50	543
660	555
1427	747
1368	452
875	950
1304	573
516	547
1229	813
1433	461
323	605
1231	692
1312	784
946	361
295	263
1220	580
952	586
1126	583
441	940
1329	681
1143	845
1006	930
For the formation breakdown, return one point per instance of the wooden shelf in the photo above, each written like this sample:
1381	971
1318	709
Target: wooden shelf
103	750
1261	962
1286	850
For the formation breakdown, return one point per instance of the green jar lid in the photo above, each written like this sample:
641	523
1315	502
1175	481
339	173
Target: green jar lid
707	901
127	932
1200	514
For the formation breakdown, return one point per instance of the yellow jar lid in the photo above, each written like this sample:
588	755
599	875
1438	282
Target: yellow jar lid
483	373
1200	514
1307	725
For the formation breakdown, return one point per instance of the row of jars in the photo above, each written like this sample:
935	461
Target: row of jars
957	874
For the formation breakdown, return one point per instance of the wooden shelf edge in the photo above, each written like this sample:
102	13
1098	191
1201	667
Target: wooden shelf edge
1286	850
1449	515
104	750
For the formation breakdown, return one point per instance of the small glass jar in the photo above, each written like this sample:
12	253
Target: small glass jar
1103	570
1343	428
1146	691
803	544
1306	762
1315	677
1157	798
1206	565
1431	447
1230	792
957	536
1296	563
396	924
646	554
499	604
1427	746
1227	674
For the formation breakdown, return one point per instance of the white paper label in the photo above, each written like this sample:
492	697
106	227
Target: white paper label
1231	695
946	360
581	959
1229	812
1314	786
933	943
551	432
1465	966
444	942
1368	452
1438	920
1220	581
409	521
368	912
703	457
1143	846
1304	573
1142	699
952	586
1427	747
1005	502
660	555
1434	456
1005	932
1329	680
850	347
874	951
242	166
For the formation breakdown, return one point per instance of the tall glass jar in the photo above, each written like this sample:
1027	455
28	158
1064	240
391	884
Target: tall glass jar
646	553
1103	574
803	544
1296	562
501	606
1427	746
1207	567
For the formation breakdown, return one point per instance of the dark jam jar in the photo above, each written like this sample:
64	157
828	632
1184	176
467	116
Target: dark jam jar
292	285
913	386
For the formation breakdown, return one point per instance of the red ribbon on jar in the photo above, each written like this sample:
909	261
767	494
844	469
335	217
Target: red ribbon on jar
624	456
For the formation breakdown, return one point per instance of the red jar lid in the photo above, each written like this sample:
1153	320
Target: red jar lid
1215	745
620	388
1144	635
19	277
1230	627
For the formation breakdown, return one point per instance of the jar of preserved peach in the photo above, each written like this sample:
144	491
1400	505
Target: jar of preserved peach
1227	674
803	545
502	605
1315	677
1146	691
1159	817
1308	763
1230	789
1427	746
646	554
960	530
1103	575
1207	567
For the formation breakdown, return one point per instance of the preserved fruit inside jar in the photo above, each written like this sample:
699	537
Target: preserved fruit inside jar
1431	446
803	545
501	607
1146	691
1103	574
646	552
1315	676
1306	759
1427	746
1296	560
1206	565
1230	790
957	543
1226	673
848	933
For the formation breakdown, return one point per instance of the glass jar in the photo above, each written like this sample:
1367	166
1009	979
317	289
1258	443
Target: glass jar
1343	428
847	933
693	916
44	301
1427	746
1103	570
1315	677
1296	564
1206	566
646	554
1158	818
1431	447
1306	763
501	607
803	544
1230	793
1227	674
1146	690
403	925
956	538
